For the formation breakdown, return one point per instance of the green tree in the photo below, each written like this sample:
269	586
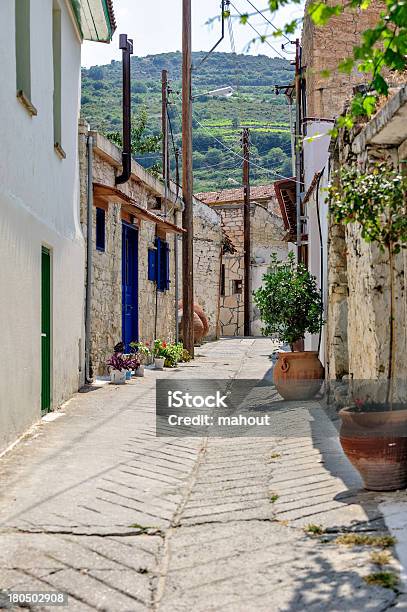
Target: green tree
141	142
213	156
289	301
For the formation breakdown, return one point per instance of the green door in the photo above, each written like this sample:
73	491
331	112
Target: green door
45	330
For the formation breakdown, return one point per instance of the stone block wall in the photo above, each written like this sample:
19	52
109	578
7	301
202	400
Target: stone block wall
207	259
359	277
266	237
323	48
106	327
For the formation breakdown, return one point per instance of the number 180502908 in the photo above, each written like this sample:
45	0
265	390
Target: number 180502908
50	598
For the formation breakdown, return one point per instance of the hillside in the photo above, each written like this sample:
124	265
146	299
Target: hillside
217	121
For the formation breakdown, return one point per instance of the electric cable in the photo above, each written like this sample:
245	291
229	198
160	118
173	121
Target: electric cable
258	33
268	20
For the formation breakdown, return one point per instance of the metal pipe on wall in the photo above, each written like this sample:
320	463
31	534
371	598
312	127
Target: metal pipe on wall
89	261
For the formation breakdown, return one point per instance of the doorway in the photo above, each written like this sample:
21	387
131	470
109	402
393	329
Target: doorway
129	285
45	330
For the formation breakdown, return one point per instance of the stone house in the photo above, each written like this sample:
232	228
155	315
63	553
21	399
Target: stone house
322	49
267	236
41	242
136	237
358	273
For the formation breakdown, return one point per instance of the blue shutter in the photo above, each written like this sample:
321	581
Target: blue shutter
159	265
152	264
167	266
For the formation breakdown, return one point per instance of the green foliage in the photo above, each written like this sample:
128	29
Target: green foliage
173	354
289	301
382	47
140	142
218	121
376	201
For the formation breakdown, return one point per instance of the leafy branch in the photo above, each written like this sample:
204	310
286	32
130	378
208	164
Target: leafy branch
382	48
140	142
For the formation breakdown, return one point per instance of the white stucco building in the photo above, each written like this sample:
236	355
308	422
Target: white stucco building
41	243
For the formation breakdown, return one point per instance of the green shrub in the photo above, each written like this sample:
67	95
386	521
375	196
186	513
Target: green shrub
289	301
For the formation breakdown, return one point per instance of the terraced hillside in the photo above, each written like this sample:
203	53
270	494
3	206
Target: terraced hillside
217	120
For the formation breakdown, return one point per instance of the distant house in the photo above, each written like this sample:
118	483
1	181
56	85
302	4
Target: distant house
135	236
267	236
222	92
41	243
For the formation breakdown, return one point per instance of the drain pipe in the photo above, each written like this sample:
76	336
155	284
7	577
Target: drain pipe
89	261
126	45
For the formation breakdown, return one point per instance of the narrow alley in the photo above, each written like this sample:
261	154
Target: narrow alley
93	504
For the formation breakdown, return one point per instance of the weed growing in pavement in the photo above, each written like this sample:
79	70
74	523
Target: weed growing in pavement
387	580
360	539
273	497
314	529
380	557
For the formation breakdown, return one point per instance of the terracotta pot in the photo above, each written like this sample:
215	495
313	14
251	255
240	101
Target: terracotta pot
201	324
298	376
376	445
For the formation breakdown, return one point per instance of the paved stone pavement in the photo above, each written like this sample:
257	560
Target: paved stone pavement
95	505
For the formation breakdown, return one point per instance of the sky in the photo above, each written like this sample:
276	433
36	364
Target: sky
155	26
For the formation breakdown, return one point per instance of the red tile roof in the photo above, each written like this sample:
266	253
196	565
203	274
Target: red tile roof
112	18
224	196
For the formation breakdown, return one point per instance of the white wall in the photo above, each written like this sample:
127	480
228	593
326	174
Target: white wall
316	158
39	202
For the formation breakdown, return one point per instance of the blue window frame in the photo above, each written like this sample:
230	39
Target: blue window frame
159	264
100	229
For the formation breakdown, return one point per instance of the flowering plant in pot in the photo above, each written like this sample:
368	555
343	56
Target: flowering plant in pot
290	306
374	429
143	352
160	353
119	365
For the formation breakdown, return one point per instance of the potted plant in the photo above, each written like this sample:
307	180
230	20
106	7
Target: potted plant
143	352
120	365
159	352
374	432
173	354
290	306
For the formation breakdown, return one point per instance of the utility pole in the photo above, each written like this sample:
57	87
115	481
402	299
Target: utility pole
298	144
187	183
246	226
176	252
164	126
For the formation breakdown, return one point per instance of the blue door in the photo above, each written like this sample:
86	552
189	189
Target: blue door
129	285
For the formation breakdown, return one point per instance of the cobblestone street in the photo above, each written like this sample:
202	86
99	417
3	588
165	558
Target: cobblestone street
95	505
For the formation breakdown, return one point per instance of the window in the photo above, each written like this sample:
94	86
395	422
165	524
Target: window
100	229
237	286
56	55
159	264
23	54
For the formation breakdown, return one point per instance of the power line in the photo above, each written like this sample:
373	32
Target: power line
258	33
268	20
268	170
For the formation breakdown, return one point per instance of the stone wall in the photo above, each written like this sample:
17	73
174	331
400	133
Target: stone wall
207	256
157	310
266	237
360	272
323	48
106	325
